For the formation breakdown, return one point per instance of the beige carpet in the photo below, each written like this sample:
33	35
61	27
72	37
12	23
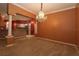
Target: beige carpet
38	47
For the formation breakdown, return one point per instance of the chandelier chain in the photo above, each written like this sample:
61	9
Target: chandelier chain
41	6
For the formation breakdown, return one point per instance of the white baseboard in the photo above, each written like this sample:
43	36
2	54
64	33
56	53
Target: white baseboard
58	41
10	45
30	35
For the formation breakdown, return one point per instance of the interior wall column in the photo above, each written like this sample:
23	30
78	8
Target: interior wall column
10	38
10	26
35	28
29	29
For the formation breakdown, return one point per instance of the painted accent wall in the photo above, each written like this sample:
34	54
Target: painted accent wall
77	24
59	26
1	21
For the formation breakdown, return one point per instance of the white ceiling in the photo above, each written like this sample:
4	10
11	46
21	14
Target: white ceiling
3	8
3	11
47	7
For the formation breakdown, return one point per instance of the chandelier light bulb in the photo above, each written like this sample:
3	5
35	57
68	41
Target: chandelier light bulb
41	15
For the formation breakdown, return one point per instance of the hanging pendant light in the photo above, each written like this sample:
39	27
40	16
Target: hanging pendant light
41	16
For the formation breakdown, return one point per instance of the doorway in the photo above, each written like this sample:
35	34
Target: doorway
22	26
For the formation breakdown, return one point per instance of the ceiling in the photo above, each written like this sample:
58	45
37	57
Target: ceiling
3	11
3	8
47	7
35	8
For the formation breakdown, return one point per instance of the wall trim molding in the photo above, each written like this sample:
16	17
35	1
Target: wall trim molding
57	41
61	10
23	8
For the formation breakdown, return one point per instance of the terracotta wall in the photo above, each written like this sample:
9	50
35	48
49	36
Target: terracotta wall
1	21
59	26
77	24
12	9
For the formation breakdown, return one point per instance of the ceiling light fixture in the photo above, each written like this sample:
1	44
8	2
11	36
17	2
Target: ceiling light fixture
41	15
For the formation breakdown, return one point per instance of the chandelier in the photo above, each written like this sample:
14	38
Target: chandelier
41	15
